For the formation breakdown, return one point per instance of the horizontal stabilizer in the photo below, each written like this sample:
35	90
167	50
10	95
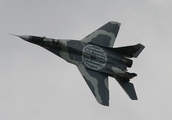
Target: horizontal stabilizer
130	51
128	88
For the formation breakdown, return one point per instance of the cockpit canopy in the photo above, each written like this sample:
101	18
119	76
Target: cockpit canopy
56	43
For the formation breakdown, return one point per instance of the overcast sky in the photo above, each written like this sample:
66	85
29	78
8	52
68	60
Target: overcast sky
37	85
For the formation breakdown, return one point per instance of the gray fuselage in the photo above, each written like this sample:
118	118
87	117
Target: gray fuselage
90	56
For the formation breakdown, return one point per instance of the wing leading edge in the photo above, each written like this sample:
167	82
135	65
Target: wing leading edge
98	83
105	35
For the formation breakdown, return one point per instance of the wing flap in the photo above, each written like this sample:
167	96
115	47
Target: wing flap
105	35
98	84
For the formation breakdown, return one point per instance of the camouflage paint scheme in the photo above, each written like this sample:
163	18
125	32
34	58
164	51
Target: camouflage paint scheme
96	59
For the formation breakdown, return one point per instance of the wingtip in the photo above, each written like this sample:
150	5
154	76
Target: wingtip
114	22
105	103
134	98
141	47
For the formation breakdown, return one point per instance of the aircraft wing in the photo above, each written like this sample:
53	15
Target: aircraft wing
98	83
105	35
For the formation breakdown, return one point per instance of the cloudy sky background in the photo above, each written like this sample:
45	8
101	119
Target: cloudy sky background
36	84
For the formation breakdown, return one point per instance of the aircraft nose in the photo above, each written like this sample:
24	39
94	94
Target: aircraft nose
24	37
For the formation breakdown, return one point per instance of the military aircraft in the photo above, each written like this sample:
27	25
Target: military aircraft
96	59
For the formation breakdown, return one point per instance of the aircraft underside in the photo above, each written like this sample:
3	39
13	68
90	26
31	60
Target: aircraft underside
96	59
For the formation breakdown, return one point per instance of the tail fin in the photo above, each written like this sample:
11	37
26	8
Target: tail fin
130	51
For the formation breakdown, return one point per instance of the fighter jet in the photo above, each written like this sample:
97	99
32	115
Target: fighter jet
96	59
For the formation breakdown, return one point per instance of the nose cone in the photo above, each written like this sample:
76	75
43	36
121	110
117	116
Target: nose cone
24	37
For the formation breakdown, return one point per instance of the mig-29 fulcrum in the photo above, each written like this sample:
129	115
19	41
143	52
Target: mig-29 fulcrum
96	59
